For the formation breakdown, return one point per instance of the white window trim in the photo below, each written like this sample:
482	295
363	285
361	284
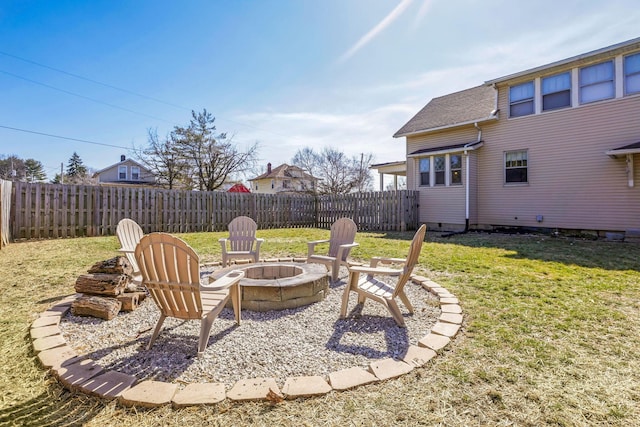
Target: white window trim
619	87
126	173
624	76
430	160
618	63
447	170
572	89
536	84
504	169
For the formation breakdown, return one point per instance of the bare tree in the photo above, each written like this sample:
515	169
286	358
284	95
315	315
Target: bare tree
12	168
163	159
338	173
212	157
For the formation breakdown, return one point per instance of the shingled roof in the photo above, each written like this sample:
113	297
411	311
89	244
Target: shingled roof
466	106
285	171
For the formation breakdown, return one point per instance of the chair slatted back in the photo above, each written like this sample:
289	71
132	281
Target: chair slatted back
242	233
129	234
170	270
343	232
412	259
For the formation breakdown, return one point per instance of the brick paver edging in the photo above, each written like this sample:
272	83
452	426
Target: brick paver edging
79	373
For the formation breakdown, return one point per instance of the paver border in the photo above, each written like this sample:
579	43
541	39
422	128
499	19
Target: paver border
55	354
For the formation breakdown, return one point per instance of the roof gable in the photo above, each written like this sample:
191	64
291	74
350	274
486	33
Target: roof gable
129	162
285	171
467	106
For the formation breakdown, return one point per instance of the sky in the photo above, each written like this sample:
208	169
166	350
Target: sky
94	77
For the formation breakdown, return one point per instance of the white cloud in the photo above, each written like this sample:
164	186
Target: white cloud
386	21
422	12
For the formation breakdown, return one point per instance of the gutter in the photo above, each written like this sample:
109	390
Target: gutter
465	153
455	125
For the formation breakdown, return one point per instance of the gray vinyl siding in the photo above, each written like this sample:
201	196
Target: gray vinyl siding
110	174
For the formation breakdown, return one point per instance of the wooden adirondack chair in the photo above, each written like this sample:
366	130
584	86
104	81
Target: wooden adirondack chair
170	270
384	293
129	234
341	240
242	242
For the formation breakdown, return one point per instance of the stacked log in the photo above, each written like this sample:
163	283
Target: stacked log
107	289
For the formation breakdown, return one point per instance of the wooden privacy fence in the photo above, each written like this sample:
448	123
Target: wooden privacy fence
56	210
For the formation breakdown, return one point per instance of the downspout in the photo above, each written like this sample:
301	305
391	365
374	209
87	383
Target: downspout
465	153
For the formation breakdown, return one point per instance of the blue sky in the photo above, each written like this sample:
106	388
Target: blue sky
287	74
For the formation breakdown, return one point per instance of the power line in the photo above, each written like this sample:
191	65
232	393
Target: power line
63	137
82	96
77	76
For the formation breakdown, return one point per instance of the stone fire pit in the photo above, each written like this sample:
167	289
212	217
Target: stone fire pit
280	285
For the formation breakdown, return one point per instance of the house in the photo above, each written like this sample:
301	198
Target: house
238	187
284	179
551	147
125	172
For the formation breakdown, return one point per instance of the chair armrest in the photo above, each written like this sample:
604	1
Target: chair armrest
346	247
126	251
375	270
228	280
385	260
350	245
258	243
223	244
315	242
312	245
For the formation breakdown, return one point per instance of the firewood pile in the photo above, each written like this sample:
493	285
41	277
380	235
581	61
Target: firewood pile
107	289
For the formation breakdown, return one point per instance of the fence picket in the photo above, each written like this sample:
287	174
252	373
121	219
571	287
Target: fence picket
55	210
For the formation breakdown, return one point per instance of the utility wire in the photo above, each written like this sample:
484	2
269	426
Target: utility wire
63	137
82	96
130	92
77	76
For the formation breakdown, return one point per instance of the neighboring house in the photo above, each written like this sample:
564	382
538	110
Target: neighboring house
127	171
551	147
284	179
238	188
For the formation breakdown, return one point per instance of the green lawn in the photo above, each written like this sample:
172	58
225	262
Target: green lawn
551	336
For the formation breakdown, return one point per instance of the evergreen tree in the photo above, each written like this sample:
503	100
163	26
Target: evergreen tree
34	171
75	168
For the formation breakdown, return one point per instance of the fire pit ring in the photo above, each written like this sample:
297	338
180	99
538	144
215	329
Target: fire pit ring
280	285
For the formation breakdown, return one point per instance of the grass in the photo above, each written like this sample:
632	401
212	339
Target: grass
551	337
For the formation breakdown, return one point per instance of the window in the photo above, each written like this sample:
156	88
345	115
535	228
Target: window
521	99
439	166
455	169
135	173
122	172
515	166
556	91
632	73
596	82
285	183
272	184
425	168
